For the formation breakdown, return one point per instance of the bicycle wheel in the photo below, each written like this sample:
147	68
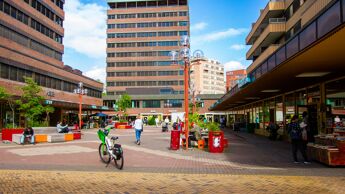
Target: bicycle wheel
119	161
103	153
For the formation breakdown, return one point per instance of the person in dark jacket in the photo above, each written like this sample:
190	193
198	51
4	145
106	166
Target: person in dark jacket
295	133
28	133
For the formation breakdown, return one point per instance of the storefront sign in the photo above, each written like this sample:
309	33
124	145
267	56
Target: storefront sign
105	108
48	102
93	106
243	82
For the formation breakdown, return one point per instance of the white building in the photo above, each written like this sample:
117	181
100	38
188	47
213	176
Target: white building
207	76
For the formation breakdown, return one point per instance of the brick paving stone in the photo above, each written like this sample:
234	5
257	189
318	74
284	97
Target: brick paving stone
23	181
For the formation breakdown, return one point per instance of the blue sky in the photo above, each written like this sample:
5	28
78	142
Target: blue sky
218	28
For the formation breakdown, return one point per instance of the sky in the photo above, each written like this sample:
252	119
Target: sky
218	28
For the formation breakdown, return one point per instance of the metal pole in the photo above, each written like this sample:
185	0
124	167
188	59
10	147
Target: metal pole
80	101
186	106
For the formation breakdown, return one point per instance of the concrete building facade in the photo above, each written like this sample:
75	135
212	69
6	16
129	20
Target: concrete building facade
207	76
31	45
298	66
140	36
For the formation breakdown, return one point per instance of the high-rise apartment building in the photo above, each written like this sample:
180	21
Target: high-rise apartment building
207	76
31	37
232	78
140	36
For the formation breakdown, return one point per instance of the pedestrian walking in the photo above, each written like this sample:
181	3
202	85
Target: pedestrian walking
295	133
138	127
157	121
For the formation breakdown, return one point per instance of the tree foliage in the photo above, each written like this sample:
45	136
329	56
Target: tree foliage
124	102
31	103
10	101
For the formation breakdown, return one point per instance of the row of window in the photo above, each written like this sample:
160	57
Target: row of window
144	73
148	24
147	15
27	42
18	74
110	93
139	64
22	17
175	103
143	4
58	3
142	44
147	34
139	54
45	11
146	83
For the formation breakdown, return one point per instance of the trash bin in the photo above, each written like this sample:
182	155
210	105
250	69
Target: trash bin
216	142
175	140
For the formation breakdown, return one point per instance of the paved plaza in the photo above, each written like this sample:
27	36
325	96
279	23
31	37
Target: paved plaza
251	164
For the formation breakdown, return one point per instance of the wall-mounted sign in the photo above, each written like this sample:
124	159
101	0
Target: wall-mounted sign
93	106
48	102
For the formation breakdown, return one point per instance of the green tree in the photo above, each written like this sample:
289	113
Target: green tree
10	101
124	103
31	103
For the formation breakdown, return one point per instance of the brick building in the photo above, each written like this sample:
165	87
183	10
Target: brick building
31	45
232	77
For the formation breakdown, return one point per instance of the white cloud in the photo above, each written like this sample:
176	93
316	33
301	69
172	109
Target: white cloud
199	26
233	65
238	47
214	36
85	28
96	73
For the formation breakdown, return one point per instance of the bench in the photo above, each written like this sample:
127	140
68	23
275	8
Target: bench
49	134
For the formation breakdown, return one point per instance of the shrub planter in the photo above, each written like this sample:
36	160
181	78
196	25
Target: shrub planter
216	141
117	124
7	133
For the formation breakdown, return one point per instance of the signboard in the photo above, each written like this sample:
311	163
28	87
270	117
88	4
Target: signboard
93	106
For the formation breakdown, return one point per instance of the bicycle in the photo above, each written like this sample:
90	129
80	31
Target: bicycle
109	150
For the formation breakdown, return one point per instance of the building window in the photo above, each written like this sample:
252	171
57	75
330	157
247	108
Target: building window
151	104
173	103
135	104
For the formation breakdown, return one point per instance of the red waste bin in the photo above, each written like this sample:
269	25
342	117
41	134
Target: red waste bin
216	142
175	140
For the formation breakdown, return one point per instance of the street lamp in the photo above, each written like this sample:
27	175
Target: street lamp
184	54
81	91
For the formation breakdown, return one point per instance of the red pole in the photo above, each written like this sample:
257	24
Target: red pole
80	101
186	104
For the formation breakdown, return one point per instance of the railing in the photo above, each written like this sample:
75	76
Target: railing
272	5
271	49
275	27
277	20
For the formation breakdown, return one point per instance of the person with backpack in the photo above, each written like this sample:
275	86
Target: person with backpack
295	133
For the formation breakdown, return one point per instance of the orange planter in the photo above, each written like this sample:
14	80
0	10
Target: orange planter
40	138
201	144
69	137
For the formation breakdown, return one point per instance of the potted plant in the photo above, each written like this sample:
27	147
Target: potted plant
215	138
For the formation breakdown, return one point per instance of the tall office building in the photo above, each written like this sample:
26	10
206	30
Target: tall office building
207	76
31	36
140	36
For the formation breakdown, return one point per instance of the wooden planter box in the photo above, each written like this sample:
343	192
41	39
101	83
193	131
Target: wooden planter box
7	133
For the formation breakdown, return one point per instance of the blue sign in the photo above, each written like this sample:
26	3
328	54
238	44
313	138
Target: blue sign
243	82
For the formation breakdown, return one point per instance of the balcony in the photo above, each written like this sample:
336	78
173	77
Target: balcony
269	35
271	49
274	9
